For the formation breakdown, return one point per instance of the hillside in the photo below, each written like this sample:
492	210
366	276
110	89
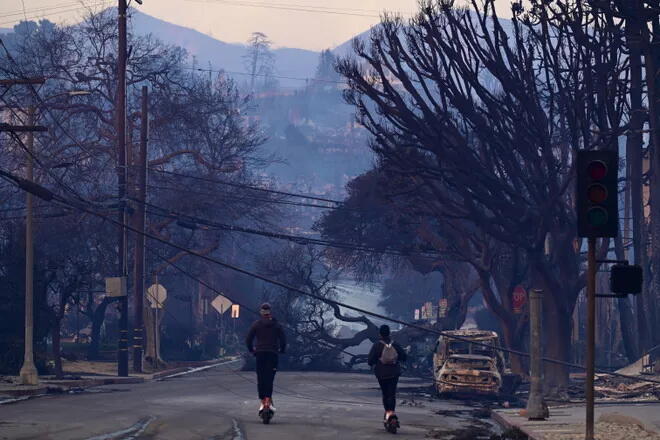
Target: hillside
290	62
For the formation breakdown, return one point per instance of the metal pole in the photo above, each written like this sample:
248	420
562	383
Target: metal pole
536	407
138	299
591	337
122	355
28	373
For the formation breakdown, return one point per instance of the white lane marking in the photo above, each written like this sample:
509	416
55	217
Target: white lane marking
198	369
238	434
131	431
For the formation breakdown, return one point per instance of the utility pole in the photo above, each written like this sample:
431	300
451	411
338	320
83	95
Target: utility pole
138	299
28	373
122	353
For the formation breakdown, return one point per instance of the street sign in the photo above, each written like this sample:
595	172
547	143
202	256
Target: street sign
428	310
115	286
443	305
235	309
519	299
221	304
416	314
156	294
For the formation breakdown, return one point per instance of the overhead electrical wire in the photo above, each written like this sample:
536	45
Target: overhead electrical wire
192	222
295	78
36	11
310	9
245	186
239	197
57	12
48	195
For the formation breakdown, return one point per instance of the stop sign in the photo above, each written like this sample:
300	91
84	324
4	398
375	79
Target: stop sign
519	299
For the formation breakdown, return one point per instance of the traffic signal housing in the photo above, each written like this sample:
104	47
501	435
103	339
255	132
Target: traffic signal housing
597	193
625	279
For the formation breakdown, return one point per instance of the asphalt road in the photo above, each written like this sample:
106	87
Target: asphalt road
221	404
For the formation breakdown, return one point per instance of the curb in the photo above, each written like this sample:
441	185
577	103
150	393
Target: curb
58	387
506	425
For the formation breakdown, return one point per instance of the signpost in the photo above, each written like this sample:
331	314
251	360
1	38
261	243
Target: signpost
156	294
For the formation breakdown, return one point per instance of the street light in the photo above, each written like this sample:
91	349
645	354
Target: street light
29	374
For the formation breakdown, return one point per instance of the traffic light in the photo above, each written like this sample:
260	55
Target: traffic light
597	193
625	279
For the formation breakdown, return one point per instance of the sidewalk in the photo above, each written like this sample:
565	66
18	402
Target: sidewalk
621	421
82	375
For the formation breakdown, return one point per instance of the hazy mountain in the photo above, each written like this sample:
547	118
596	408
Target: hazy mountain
298	63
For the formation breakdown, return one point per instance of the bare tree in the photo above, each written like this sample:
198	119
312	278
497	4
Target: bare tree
259	61
486	117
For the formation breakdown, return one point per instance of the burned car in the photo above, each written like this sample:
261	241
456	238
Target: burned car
462	367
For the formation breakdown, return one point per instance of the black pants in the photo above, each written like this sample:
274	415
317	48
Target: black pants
266	369
388	388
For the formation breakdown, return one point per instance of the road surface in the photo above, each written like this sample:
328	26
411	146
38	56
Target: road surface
221	404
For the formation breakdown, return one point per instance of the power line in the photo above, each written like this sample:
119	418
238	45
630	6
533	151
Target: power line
245	186
35	11
199	69
240	198
48	195
62	11
310	9
164	212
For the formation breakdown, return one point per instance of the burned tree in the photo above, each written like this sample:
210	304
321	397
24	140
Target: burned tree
486	116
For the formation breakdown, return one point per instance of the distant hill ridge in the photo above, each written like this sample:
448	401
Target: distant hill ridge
290	62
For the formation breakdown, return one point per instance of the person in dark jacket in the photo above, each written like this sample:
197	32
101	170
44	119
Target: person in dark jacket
270	341
387	373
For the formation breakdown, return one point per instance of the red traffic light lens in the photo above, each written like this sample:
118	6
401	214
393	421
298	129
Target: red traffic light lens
597	216
597	193
597	169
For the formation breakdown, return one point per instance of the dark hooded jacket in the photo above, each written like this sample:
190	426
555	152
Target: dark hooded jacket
269	335
385	371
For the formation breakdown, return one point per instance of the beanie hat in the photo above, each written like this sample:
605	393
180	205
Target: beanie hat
265	309
384	330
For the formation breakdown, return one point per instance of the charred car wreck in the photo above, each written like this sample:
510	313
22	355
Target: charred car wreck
462	367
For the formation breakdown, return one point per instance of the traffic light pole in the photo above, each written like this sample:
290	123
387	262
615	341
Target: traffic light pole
591	337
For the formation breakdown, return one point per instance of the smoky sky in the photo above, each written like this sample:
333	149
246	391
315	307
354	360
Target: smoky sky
306	24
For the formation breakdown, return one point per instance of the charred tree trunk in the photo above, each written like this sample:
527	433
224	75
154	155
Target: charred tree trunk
634	143
57	347
652	58
557	343
98	316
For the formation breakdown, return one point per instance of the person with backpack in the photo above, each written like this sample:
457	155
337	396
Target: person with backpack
385	356
270	341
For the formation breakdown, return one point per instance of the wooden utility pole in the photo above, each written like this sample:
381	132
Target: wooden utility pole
138	299
122	354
